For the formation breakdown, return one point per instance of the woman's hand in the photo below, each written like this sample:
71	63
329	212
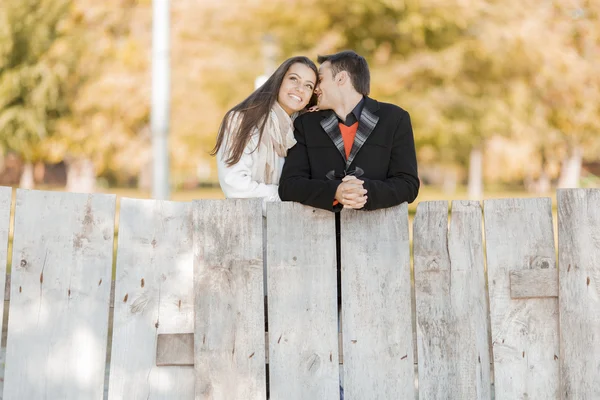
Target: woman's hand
313	109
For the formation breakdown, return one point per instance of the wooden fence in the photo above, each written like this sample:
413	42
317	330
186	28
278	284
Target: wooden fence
185	316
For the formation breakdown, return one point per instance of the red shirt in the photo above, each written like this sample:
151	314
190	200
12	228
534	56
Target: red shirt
348	135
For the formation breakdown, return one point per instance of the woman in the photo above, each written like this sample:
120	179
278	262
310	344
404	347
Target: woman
256	134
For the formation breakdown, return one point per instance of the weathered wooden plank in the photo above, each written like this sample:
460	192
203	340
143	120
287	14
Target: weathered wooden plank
302	290
519	236
7	291
452	308
228	284
579	299
469	302
154	294
534	283
5	204
376	300
433	283
174	349
61	270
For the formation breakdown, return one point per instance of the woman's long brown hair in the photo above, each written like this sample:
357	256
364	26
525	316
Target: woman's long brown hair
254	111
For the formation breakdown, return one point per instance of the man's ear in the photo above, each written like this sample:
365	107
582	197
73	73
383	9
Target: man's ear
342	77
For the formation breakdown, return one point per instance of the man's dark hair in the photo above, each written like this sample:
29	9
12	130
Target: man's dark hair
355	65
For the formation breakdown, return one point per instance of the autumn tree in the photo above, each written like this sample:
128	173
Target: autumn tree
36	60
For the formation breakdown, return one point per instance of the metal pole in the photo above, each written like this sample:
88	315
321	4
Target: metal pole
269	52
161	96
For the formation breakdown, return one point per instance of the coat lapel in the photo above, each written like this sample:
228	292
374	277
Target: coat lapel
330	125
368	121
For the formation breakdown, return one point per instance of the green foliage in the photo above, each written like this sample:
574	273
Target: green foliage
75	74
34	71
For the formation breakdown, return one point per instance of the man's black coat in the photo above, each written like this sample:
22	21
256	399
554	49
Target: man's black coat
383	148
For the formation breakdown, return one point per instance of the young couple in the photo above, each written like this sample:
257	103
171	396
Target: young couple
350	151
353	152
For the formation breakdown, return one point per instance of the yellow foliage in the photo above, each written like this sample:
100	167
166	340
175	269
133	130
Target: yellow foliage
514	73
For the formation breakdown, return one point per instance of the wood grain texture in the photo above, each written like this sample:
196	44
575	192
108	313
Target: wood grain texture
175	349
519	236
376	304
452	307
7	291
469	300
154	294
61	271
229	300
579	299
302	290
534	283
5	205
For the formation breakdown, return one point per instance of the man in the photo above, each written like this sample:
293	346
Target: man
355	152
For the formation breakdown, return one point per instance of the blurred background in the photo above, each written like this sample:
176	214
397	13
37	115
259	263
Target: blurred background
504	95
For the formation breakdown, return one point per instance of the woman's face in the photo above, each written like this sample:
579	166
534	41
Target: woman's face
296	88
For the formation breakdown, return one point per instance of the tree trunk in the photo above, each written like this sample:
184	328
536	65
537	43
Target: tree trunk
476	174
570	171
27	181
449	184
81	176
39	172
145	177
541	185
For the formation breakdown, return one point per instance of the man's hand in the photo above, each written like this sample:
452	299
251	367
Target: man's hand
351	193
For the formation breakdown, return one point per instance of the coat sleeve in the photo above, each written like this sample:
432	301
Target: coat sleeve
236	180
402	182
297	184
